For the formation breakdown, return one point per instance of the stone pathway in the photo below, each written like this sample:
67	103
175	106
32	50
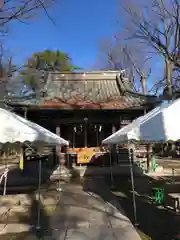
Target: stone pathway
81	214
85	216
16	212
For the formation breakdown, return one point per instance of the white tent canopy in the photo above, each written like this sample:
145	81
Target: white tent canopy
160	124
14	128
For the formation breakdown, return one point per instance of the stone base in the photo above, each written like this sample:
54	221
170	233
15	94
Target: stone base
159	169
60	174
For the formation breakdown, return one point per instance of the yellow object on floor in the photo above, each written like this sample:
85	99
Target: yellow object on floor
21	161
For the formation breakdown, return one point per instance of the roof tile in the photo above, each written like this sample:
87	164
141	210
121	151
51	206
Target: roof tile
96	90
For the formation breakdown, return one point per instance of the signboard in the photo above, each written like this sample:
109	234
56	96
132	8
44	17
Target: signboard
84	155
158	194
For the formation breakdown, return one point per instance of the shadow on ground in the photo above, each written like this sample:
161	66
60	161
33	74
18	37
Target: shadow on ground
29	218
26	182
64	214
154	221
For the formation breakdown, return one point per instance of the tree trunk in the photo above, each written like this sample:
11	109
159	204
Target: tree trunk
168	76
143	83
3	92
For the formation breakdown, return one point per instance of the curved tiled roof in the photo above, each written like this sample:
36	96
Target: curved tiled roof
94	90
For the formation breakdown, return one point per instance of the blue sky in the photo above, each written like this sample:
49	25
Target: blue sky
80	25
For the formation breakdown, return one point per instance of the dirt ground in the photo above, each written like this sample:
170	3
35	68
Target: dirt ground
154	221
169	162
18	212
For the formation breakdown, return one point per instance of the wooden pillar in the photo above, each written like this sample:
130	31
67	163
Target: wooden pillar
58	148
58	130
114	155
25	113
113	128
101	132
149	155
73	136
85	131
120	120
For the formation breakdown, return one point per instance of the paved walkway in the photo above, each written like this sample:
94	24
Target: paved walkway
81	214
84	215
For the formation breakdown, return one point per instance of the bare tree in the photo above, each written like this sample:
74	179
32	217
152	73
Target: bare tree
156	23
116	54
21	10
6	71
10	11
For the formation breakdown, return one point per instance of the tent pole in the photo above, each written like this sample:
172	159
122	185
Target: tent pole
39	197
5	182
59	189
132	184
5	178
111	172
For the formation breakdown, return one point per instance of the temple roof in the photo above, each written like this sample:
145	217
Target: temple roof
87	90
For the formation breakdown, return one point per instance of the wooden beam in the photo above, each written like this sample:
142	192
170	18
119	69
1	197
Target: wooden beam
67	121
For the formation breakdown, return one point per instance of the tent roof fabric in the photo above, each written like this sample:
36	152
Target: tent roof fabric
14	128
160	124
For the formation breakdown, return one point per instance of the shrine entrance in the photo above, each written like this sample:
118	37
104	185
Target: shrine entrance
85	139
89	135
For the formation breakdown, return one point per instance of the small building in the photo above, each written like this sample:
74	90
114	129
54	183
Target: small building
84	107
